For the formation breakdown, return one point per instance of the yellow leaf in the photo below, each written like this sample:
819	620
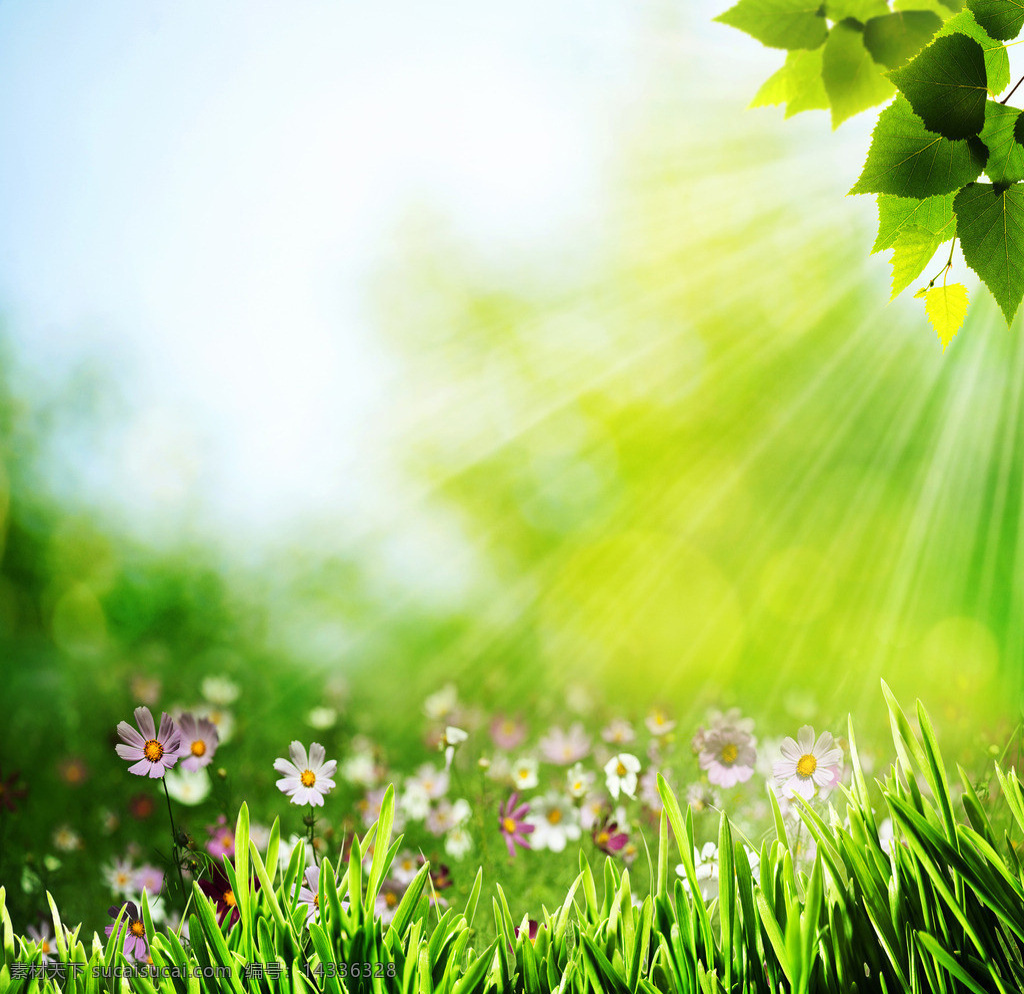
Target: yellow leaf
946	307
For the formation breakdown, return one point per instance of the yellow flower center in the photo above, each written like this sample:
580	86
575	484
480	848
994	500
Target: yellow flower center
308	778
729	753
659	719
137	929
229	898
554	816
153	751
44	947
621	769
199	748
390	899
806	765
602	838
509	825
316	901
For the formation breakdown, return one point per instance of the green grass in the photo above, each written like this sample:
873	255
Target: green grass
941	909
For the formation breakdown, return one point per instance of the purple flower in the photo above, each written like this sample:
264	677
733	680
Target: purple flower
134	928
222	839
728	756
218	889
306	779
149	878
199	740
564	748
153	751
512	825
608	838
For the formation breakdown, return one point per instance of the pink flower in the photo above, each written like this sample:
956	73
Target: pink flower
608	838
728	756
507	733
132	926
153	752
618	732
564	748
512	824
149	878
199	740
222	839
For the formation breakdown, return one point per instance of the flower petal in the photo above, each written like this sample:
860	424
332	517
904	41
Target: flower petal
297	751
130	735
317	755
805	738
145	722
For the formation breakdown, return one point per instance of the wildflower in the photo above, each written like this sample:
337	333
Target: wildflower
221	840
592	810
700	797
149	878
433	781
405	867
66	839
219	690
306	779
458	843
199	741
287	849
360	769
73	771
705	864
532	927
43	936
564	748
524	774
109	821
618	732
621	774
440	878
141	806
728	756
120	876
188	788
607	837
135	944
441	703
218	889
446	816
415	801
222	719
514	828
309	892
555	822
658	722
807	765
387	901
145	688
322	718
508	733
152	752
452	738
259	835
578	780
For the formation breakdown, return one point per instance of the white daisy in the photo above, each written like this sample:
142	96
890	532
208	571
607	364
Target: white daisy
306	779
621	772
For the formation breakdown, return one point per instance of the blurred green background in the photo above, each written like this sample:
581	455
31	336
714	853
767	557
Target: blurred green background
685	455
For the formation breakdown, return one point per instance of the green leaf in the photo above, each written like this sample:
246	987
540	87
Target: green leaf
779	23
990	223
934	214
908	160
853	80
940	7
798	84
1005	152
860	10
997	60
911	252
895	38
1002	19
947	86
946	307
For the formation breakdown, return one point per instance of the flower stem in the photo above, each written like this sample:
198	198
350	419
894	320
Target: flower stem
174	840
311	822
